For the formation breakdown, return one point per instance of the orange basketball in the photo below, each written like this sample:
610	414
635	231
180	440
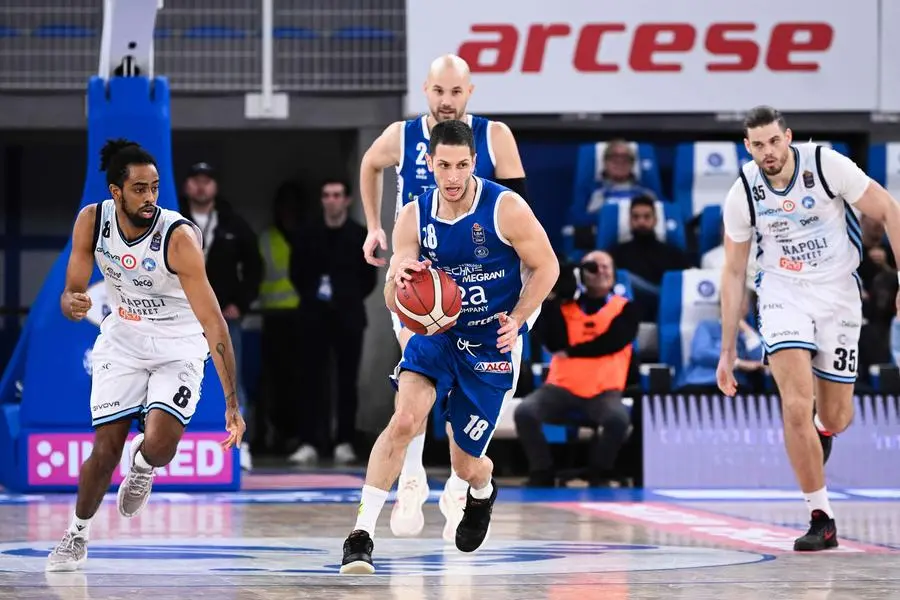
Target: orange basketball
430	303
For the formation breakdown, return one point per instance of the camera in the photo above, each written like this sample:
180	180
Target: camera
566	287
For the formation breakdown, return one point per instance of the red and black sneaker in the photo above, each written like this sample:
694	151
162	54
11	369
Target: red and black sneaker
822	534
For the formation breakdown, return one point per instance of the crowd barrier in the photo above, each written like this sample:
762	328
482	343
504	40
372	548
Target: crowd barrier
699	441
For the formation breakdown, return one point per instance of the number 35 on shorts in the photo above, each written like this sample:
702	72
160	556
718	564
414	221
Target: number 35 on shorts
845	360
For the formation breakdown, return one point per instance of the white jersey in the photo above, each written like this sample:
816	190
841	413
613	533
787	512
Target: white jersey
809	230
144	294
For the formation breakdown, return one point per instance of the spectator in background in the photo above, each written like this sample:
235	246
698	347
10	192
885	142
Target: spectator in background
700	374
333	280
617	183
647	258
591	339
878	272
279	301
233	264
877	255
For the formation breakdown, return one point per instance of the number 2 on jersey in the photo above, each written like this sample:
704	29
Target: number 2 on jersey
422	149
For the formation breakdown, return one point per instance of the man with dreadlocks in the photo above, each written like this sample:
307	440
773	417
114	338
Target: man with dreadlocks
149	357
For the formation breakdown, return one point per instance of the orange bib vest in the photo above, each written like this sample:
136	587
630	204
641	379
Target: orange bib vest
589	377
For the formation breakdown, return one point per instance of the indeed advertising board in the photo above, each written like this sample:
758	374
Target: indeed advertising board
54	460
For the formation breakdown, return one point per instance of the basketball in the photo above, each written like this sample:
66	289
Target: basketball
430	303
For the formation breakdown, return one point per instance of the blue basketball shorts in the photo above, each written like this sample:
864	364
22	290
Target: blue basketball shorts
473	381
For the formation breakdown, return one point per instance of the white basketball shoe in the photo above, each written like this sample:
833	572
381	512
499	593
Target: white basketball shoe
70	554
407	519
452	504
134	491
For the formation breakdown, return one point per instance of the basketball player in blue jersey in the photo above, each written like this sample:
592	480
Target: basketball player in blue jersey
486	238
404	145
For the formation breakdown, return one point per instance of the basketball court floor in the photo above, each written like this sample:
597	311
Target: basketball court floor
281	537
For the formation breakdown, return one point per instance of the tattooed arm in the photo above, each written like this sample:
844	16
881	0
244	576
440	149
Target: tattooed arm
185	258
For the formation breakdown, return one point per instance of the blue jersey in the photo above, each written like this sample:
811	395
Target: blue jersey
472	250
413	176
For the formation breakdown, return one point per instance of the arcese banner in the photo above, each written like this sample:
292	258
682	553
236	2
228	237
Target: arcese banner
658	56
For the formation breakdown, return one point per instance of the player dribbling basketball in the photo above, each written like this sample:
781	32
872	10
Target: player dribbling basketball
484	236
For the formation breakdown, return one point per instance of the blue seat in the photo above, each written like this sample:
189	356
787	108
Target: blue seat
589	170
362	33
884	166
8	32
215	33
294	33
63	31
613	226
703	174
686	298
710	234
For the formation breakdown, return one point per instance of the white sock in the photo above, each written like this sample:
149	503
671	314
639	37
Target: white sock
484	493
818	500
81	527
456	485
370	506
412	464
141	463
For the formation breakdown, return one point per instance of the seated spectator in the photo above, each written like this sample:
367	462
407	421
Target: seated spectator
706	346
590	336
617	183
647	258
876	253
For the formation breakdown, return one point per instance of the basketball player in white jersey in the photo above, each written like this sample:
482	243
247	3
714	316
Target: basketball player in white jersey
799	202
149	357
447	88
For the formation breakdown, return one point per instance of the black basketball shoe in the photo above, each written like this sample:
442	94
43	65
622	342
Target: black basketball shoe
822	534
358	554
826	439
476	521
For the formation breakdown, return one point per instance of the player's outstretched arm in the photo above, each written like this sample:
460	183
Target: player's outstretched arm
405	259
185	258
506	153
74	301
383	153
526	235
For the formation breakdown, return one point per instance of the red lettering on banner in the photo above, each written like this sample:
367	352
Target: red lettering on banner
495	48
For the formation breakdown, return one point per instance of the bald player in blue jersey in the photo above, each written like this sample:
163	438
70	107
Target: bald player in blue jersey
404	145
487	239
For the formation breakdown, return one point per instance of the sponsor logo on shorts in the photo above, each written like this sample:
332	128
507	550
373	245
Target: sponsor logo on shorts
773	306
105	405
849	324
790	265
494	367
781	334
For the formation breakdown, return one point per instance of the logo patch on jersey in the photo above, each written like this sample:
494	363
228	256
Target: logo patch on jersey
129	261
493	367
149	264
808	202
481	252
112	273
790	265
156	241
477	234
706	288
788	206
808	180
142	281
124	314
805	222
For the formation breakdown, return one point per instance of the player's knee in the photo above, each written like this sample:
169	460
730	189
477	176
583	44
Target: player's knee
467	467
796	412
404	426
159	452
837	418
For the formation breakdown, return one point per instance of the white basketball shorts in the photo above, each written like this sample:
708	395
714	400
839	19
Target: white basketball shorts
132	373
824	318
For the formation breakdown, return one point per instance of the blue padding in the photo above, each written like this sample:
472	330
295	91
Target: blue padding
56	385
623	284
63	31
162	33
215	33
294	33
841	148
8	32
877	169
710	229
362	33
670	301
